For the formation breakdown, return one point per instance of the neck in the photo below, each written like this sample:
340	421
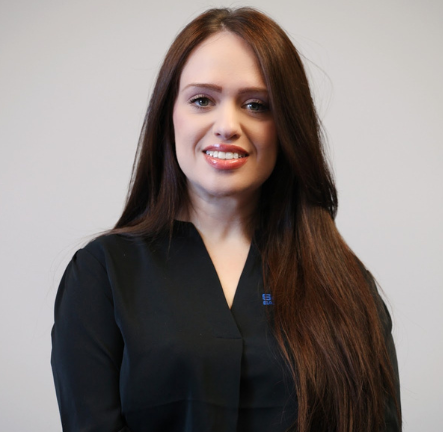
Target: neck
222	218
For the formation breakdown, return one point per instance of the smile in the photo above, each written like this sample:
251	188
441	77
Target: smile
224	155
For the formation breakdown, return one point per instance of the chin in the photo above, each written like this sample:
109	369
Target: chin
233	192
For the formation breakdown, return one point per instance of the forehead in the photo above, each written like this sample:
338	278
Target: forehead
223	58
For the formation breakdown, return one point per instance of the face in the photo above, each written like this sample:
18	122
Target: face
225	135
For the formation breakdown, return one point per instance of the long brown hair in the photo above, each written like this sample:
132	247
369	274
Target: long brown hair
327	314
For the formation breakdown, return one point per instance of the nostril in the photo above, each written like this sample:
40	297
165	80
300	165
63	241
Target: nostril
227	135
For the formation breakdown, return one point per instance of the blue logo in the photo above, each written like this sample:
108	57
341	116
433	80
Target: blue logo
267	299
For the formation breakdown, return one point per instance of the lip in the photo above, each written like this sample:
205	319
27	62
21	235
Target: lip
226	148
225	164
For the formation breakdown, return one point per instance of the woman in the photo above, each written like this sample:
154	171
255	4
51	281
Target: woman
225	299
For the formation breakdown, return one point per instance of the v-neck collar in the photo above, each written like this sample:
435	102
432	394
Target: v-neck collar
211	291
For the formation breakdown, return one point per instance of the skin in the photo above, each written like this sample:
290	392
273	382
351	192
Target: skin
223	104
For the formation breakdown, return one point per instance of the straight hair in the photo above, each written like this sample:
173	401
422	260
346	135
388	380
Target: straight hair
327	317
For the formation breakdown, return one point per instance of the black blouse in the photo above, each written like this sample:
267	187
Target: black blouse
144	341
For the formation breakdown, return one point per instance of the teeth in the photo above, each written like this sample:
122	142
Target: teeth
224	155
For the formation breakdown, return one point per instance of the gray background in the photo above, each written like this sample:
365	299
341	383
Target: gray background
74	83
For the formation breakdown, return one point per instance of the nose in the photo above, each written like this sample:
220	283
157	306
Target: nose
227	122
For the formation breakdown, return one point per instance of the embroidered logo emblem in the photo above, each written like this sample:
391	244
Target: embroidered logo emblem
267	299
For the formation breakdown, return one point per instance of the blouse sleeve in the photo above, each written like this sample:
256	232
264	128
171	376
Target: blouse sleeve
392	422
87	349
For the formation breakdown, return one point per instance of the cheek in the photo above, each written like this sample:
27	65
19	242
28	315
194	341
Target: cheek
188	130
270	148
179	123
181	134
270	142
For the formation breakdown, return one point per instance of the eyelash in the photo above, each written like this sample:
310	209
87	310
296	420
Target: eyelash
263	107
194	99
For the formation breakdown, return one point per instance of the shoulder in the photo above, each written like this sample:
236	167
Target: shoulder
109	249
100	259
97	266
383	312
106	244
123	257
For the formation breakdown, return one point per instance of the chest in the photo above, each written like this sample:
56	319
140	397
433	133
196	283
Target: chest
184	346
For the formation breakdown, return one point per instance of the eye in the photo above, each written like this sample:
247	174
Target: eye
200	101
256	106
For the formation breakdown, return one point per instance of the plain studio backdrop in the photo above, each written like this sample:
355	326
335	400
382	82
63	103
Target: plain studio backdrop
75	77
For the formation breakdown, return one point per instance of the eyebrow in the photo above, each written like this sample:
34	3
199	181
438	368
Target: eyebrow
219	89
